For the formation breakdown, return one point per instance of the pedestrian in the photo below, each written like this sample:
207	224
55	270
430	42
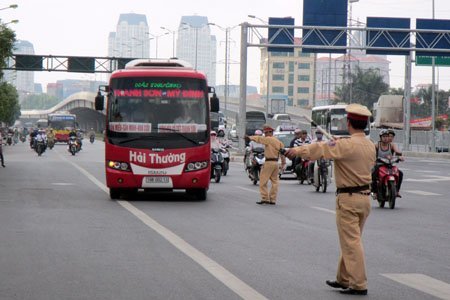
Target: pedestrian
2	159
353	157
270	169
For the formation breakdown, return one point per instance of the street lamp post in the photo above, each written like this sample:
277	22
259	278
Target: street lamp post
268	66
173	38
227	60
10	6
433	97
10	22
156	37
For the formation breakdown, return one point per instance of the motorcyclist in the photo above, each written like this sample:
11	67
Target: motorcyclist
50	136
397	152
318	139
301	138
33	135
91	133
41	137
251	146
215	143
384	150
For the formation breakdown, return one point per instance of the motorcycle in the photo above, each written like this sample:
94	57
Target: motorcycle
73	145
15	139
9	139
256	162
92	139
39	147
226	160
322	174
301	170
51	143
23	138
387	179
216	164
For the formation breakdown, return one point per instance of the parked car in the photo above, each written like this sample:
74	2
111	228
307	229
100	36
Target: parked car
232	134
281	117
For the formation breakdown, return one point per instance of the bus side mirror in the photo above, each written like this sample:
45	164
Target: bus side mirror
214	103
99	101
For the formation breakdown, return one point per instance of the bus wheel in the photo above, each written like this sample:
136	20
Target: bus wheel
114	193
200	194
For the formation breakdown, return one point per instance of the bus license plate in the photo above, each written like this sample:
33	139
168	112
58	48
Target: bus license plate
159	179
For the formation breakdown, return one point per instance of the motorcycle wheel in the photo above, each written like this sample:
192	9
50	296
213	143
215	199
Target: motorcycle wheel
225	168
323	182
392	194
217	174
200	194
255	177
303	175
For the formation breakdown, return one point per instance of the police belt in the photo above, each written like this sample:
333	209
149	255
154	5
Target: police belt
353	189
271	159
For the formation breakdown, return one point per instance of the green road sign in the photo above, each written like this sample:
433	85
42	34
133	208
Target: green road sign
440	61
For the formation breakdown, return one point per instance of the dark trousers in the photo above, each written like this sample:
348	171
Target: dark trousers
1	158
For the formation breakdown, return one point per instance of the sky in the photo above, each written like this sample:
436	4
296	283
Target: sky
81	28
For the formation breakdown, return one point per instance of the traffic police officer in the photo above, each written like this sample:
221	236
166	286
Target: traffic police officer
353	157
270	168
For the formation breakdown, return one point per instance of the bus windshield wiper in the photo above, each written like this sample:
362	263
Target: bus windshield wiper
141	137
181	134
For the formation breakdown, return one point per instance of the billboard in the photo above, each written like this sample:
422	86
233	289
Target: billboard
386	38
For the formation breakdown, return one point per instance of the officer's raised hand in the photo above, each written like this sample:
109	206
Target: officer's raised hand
290	153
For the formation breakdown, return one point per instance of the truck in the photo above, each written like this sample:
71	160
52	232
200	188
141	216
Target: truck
254	120
277	106
389	112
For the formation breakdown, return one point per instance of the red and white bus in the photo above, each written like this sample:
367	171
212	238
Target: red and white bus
157	128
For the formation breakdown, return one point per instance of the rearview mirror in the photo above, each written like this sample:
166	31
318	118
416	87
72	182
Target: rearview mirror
99	101
214	103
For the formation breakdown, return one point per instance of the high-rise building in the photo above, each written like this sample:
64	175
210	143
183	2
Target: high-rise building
196	45
22	80
131	38
290	76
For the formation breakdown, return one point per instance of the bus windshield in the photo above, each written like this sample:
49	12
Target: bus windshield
61	122
333	118
157	112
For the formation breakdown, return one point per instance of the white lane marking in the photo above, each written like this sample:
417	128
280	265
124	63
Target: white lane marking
324	209
431	178
422	193
423	283
220	273
247	189
62	183
425	171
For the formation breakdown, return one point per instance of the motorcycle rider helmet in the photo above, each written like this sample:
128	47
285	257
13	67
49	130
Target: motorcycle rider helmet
383	132
391	131
258	132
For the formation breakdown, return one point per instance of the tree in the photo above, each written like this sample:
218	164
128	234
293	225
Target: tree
9	103
396	91
9	99
366	87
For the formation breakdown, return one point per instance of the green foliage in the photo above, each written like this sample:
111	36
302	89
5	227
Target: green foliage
424	109
9	103
39	101
396	91
366	88
9	99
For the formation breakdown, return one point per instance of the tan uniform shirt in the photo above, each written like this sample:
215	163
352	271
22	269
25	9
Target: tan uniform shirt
272	146
353	158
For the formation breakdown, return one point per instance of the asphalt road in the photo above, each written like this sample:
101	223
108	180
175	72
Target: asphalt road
61	237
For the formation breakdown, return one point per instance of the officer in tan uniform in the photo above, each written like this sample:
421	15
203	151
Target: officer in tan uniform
353	157
270	167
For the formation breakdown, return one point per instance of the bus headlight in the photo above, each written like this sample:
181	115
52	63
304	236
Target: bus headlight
195	166
118	165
